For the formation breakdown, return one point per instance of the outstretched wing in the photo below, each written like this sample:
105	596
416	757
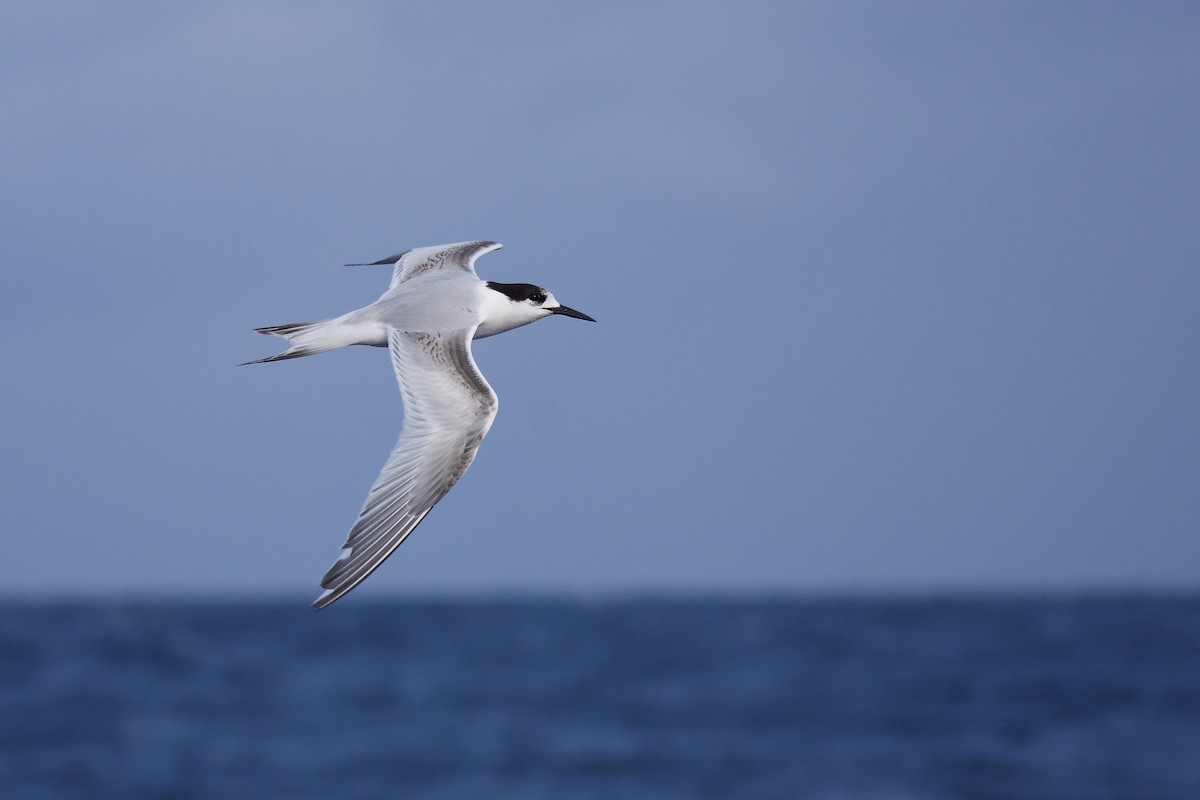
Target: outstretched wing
411	263
448	409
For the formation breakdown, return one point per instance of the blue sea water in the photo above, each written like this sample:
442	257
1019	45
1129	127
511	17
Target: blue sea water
826	699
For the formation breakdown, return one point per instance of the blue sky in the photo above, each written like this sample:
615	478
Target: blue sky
890	296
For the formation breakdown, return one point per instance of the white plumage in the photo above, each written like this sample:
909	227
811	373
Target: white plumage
433	309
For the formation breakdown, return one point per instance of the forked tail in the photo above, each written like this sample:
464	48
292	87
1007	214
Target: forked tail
304	338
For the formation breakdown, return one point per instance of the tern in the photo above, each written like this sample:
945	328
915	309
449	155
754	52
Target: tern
433	309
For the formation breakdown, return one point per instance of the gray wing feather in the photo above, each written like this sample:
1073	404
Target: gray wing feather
460	255
448	409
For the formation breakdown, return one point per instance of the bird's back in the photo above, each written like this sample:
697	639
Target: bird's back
434	301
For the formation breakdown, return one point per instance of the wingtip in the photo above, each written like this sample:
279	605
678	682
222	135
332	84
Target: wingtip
392	259
325	598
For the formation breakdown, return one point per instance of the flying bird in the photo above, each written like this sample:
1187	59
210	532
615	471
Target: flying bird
435	306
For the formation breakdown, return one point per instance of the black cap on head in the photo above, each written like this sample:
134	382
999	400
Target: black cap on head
519	292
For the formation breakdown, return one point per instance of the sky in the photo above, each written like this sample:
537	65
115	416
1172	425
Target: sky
890	297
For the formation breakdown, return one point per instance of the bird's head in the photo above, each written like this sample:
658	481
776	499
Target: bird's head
525	303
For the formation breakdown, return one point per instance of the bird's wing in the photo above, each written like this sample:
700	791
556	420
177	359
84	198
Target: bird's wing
411	263
448	409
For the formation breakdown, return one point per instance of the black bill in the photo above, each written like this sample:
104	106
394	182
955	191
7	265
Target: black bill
570	312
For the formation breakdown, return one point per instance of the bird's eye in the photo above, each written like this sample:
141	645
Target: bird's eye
538	298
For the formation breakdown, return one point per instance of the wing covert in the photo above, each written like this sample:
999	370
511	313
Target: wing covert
460	255
448	409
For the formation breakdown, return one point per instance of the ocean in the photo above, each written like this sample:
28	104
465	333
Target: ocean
1088	698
